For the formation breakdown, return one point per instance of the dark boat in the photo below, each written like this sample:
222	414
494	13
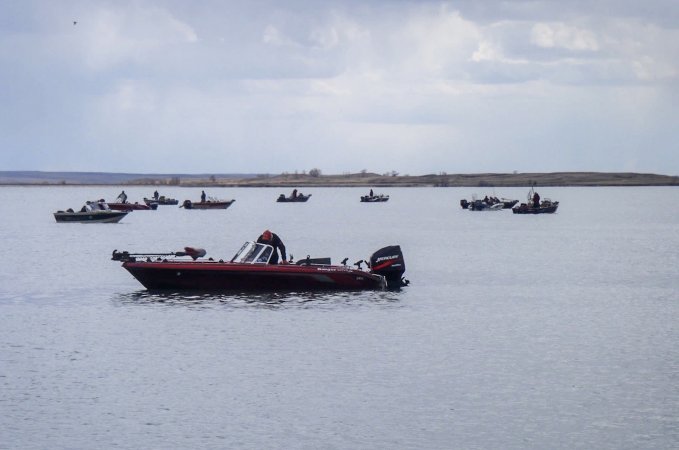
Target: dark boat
535	206
374	198
208	204
480	205
546	207
249	270
293	198
92	212
488	202
162	200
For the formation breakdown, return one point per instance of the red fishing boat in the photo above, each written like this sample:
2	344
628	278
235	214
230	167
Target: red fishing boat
118	206
249	270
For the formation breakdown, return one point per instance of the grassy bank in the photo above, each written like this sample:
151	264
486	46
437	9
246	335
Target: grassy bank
345	180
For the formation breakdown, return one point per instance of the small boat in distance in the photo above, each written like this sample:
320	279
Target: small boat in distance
294	197
91	212
372	198
161	200
249	270
207	204
121	204
534	205
480	205
118	206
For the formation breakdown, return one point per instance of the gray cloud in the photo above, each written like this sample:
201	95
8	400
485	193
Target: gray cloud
418	87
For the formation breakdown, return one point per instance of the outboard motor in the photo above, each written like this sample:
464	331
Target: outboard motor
389	263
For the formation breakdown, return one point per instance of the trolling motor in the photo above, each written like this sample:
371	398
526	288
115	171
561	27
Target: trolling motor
126	256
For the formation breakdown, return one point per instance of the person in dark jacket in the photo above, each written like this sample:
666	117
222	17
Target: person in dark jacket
273	240
536	200
202	197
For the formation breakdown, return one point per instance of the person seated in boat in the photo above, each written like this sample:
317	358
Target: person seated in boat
536	200
273	240
122	198
202	196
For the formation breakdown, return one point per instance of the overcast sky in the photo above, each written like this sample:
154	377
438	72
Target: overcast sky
276	86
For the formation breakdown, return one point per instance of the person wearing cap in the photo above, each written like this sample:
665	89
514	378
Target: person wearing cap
273	240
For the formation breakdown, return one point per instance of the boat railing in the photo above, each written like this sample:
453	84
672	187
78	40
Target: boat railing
253	253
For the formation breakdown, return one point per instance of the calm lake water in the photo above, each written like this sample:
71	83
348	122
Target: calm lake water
552	331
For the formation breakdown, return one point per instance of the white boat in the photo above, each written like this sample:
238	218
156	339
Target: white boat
91	212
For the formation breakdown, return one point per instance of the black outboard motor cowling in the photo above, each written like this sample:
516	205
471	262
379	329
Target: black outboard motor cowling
389	263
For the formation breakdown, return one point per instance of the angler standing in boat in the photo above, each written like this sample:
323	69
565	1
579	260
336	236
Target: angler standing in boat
202	196
273	240
536	200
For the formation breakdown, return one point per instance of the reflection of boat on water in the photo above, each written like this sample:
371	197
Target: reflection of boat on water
162	200
92	212
374	198
249	270
293	198
208	204
488	202
535	206
252	299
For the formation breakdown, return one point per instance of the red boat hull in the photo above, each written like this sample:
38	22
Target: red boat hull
227	276
130	206
188	204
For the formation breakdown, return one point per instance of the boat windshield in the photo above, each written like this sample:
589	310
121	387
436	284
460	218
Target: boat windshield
253	253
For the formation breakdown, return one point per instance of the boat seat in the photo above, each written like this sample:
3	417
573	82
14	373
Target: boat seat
315	261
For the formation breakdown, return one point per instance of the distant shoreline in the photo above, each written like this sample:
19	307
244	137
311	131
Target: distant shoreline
363	179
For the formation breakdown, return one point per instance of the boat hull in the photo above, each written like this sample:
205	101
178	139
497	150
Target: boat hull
206	205
525	209
298	199
161	201
131	206
478	205
90	217
227	276
374	199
